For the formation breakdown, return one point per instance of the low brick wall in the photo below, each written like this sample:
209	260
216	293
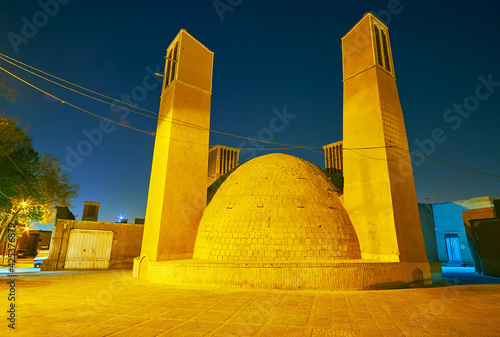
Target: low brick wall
315	275
127	239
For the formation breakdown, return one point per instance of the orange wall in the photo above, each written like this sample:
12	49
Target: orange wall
479	213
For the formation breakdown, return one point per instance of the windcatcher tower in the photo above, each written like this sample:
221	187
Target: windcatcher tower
178	183
379	191
221	159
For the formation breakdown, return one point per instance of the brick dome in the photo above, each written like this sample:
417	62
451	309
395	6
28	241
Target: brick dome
276	207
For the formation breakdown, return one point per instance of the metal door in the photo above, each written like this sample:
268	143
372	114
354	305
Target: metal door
453	247
88	249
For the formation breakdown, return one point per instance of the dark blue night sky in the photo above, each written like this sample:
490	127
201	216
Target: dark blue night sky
269	56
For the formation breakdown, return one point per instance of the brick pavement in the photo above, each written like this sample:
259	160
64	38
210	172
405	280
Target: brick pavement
111	303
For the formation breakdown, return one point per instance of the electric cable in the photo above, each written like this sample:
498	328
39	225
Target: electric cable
76	85
74	106
89	96
172	120
15	164
457	166
5	195
78	92
179	122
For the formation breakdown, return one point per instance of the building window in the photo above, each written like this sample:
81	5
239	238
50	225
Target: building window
174	62
382	47
171	65
386	52
377	46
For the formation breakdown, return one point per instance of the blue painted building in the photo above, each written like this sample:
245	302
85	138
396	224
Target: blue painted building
452	245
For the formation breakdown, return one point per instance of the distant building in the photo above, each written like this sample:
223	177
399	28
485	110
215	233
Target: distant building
453	242
90	211
31	240
93	245
89	244
451	238
333	157
483	233
63	212
221	159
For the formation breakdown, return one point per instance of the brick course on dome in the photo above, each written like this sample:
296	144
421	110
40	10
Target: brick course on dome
276	207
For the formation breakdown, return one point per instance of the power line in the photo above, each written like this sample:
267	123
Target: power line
353	149
264	141
76	85
419	155
179	122
74	106
15	164
78	92
266	149
368	148
183	123
5	195
89	96
457	166
364	155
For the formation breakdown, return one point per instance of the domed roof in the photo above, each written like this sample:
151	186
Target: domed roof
276	207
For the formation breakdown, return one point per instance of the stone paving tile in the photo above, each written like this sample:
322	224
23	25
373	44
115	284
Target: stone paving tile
213	316
278	331
139	332
330	333
371	333
342	327
111	303
126	320
148	312
179	314
237	330
299	320
99	330
159	323
229	307
183	334
197	327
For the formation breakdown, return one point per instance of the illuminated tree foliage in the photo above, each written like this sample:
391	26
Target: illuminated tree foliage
31	185
10	94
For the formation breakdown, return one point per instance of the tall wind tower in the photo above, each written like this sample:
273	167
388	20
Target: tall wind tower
379	191
178	184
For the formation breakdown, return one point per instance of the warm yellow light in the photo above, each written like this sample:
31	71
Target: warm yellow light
27	228
24	204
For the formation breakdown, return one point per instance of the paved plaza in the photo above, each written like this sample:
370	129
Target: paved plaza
112	303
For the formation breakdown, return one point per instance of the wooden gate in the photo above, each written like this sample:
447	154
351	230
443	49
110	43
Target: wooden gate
89	249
